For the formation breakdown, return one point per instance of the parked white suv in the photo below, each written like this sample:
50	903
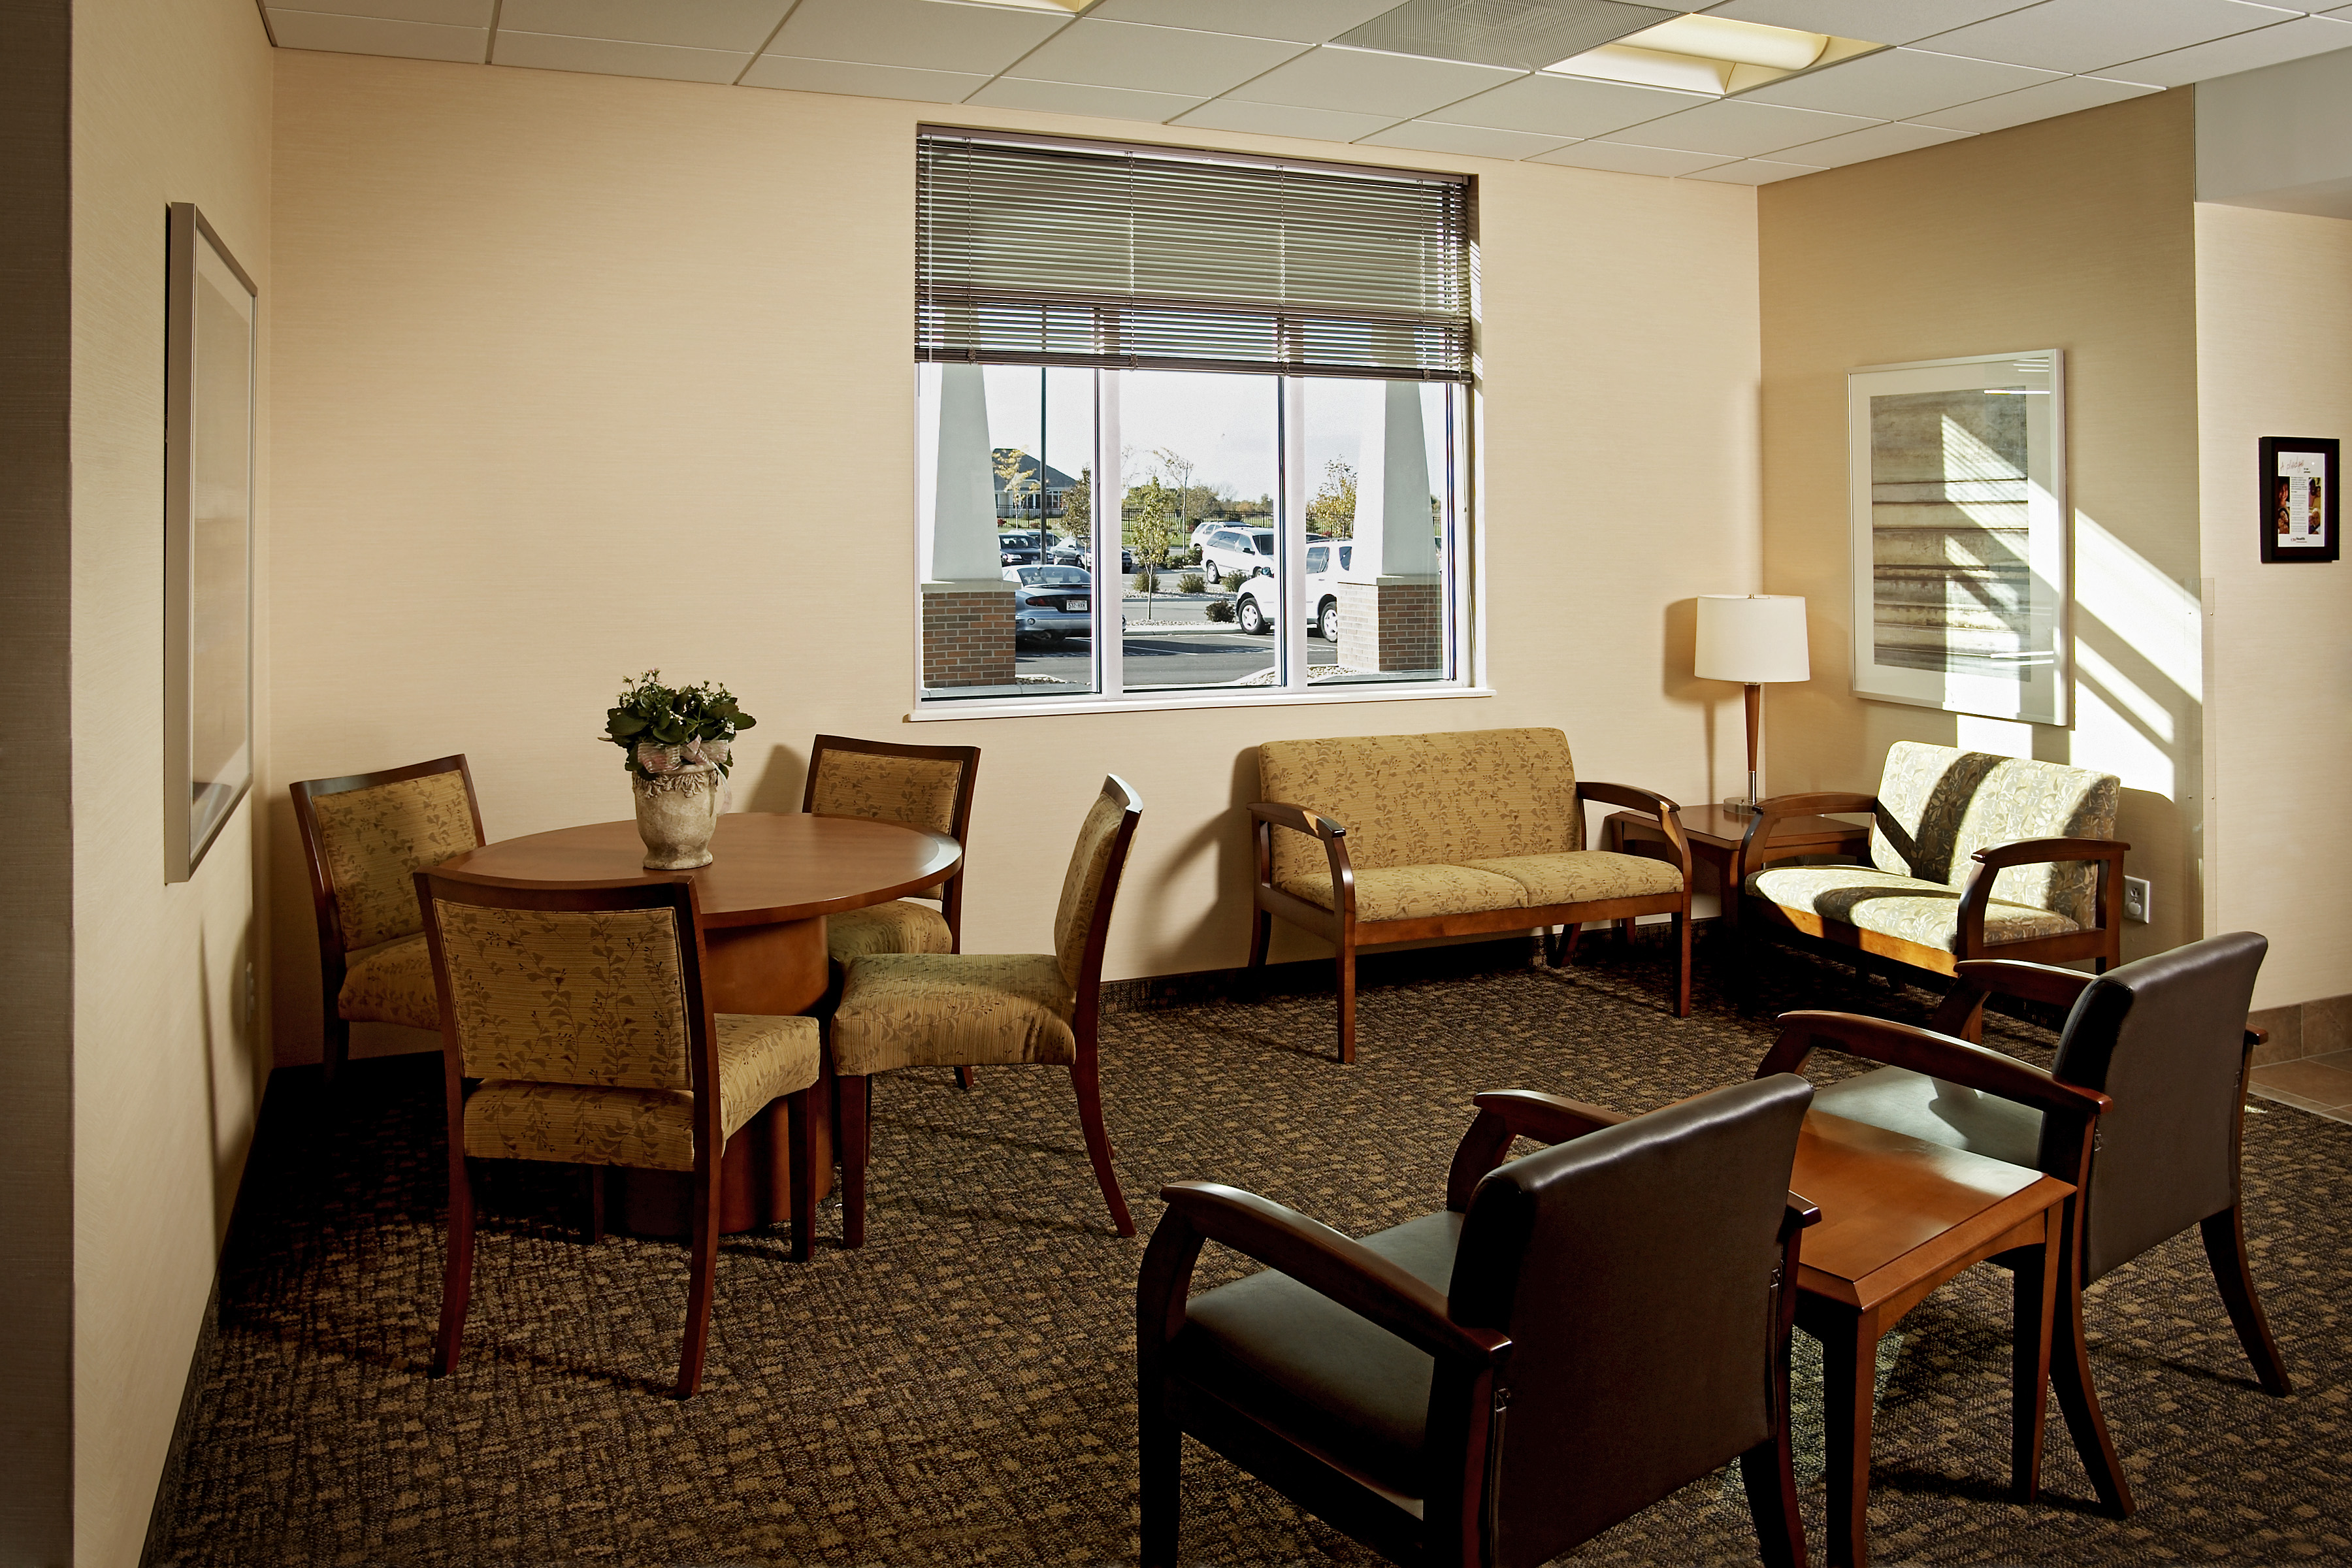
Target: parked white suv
1248	551
1257	603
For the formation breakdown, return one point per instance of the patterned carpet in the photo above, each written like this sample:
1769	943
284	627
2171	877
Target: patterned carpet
962	1390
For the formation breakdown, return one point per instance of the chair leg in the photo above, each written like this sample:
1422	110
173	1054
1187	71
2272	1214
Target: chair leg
457	1277
1849	1383
335	1051
1086	1081
702	1269
800	1148
1160	1453
2078	1397
856	1094
2032	1297
1261	936
1346	962
592	1177
1682	963
963	1078
1769	1473
1561	949
2225	1248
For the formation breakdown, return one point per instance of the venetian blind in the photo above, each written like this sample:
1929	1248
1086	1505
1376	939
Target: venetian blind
1029	252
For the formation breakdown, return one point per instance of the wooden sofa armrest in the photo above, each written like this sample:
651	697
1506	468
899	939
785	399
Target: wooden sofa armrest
1976	897
1282	814
1334	1265
1772	809
1507	1113
1650	803
2039	851
1268	815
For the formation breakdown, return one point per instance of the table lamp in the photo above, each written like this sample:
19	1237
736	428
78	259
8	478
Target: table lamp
1752	639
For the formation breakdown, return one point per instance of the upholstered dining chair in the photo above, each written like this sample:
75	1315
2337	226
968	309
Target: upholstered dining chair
581	1011
363	837
1578	1333
2165	1038
920	787
963	1009
1972	856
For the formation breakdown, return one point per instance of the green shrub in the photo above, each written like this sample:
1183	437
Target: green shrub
1147	580
1219	609
1192	582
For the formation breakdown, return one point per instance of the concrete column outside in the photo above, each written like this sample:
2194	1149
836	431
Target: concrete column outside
967	603
1390	597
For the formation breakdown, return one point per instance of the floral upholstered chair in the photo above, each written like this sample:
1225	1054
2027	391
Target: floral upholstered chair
1972	856
920	787
363	837
961	1009
581	1011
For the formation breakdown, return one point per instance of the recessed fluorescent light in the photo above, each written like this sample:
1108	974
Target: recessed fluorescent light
1710	54
1059	8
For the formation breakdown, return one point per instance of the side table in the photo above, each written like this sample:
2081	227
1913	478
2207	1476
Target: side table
1715	836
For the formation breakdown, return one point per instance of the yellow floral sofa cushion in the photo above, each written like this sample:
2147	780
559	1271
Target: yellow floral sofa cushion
1938	805
1421	800
957	1009
1584	876
918	792
373	842
1415	892
760	1060
1908	908
394	984
903	925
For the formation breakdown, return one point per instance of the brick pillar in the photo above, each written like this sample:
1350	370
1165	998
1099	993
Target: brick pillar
1391	624
967	634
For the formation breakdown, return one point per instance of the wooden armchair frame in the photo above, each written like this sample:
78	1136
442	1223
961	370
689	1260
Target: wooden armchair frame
1469	1393
1339	926
336	1036
2101	943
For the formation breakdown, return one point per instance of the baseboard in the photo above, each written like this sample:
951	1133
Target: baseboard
163	1510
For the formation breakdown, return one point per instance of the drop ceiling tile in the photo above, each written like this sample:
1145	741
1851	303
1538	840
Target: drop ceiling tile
615	57
1735	127
1566	106
1876	141
1621	159
1078	98
853	81
923	34
1151	59
1357	81
447	13
2244	52
742	26
1283	119
2047	102
1753	171
1879	21
2091	35
1295	21
377	35
1895	84
1469	140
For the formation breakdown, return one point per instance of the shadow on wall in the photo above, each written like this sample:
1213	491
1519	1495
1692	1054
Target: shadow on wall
1679	683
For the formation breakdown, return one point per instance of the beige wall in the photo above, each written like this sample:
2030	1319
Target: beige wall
580	374
2072	232
2273	340
171	102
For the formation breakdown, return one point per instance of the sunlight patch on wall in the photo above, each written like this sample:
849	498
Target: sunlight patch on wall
2139	665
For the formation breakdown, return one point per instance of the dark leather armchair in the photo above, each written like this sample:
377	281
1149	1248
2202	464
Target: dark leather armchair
1576	1335
2165	1039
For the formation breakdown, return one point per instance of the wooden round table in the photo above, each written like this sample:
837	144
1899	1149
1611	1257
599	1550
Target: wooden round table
772	878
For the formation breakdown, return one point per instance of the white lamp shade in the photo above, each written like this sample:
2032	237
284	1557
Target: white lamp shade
1752	638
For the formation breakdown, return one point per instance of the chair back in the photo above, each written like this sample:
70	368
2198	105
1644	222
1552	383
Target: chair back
365	835
597	986
2166	1037
1634	1269
918	786
1409	800
1938	805
1082	920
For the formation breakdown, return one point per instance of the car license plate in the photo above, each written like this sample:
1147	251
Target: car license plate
1074	605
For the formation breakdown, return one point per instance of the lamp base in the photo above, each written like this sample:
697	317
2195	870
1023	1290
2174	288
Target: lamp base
1739	805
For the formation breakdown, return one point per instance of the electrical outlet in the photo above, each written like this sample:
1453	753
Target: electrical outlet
2135	905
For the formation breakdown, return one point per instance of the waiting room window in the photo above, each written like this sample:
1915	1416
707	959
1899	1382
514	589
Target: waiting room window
1192	425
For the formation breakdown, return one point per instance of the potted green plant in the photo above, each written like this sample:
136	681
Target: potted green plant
678	744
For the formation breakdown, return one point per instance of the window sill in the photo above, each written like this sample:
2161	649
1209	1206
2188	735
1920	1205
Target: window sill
1033	708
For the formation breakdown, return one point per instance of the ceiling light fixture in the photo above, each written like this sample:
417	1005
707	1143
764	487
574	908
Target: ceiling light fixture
1712	55
1059	8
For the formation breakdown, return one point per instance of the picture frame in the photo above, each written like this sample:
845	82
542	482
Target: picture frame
211	311
2296	515
1960	534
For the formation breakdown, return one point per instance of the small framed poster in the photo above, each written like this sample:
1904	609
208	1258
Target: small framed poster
2298	497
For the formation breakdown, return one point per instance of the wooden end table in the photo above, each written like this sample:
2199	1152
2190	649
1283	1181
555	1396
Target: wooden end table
1900	1216
1715	835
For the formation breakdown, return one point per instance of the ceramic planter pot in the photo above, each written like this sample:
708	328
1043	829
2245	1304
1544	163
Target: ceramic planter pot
679	807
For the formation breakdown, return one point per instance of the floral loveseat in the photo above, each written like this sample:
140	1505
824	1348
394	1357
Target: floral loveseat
1395	838
1972	856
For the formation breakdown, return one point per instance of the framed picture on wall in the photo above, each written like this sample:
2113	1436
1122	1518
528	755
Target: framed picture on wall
207	540
2298	497
1956	485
